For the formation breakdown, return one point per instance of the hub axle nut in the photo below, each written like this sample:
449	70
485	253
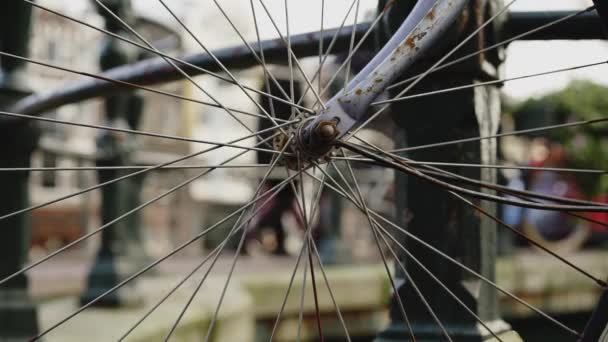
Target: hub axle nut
326	131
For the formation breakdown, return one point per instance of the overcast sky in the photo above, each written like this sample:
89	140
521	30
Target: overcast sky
532	57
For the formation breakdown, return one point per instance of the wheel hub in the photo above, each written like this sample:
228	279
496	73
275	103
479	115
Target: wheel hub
308	144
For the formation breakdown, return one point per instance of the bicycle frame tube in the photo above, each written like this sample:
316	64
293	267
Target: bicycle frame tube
419	33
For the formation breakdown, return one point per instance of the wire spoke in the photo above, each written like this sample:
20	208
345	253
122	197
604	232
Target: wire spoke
237	226
112	181
144	133
130	167
413	284
221	65
202	281
437	280
528	195
315	206
301	205
481	84
502	223
436	64
330	291
262	57
123	83
522	194
215	251
240	246
303	250
302	295
354	50
290	52
441	173
158	261
321	59
317	75
173	65
525	194
112	222
483	166
174	59
289	58
352	45
402	166
365	211
497	45
430	247
469	270
500	135
254	54
315	296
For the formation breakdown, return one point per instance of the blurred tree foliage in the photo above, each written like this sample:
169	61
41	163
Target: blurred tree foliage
586	146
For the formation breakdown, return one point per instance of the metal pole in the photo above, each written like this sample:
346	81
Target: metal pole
18	317
439	218
155	71
581	27
601	8
121	247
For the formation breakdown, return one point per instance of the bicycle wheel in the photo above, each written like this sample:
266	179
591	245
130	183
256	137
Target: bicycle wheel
315	142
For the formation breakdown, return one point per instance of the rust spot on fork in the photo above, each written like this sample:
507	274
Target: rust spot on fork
410	41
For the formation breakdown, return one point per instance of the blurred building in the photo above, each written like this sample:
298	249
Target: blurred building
64	43
61	42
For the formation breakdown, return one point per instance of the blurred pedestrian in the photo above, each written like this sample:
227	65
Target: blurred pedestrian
270	217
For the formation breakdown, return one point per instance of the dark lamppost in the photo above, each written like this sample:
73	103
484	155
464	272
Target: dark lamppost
120	243
430	212
18	139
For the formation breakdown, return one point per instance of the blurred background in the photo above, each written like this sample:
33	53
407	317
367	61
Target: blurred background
345	243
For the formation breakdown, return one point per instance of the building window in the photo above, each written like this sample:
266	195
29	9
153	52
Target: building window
51	50
49	178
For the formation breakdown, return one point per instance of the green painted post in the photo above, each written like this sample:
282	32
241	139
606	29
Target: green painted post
121	250
133	192
434	215
18	318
